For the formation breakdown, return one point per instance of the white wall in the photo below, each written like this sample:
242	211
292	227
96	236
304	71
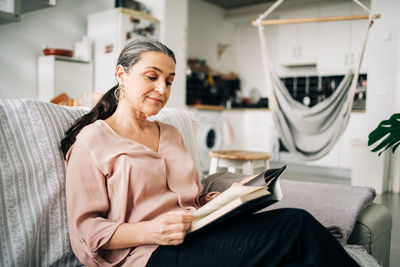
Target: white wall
21	42
206	28
383	74
174	35
61	26
248	56
383	62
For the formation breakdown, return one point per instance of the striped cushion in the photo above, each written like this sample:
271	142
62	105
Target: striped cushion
33	223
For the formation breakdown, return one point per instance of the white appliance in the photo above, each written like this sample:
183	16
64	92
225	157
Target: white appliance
210	135
110	31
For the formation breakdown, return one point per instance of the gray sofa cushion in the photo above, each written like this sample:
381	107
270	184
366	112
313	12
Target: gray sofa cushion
336	206
33	220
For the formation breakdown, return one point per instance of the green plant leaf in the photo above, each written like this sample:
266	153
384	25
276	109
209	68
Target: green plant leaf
386	134
377	134
395	147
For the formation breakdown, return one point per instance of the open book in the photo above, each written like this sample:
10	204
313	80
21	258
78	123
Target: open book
242	198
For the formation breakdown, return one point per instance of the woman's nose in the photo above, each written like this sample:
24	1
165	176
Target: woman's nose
161	87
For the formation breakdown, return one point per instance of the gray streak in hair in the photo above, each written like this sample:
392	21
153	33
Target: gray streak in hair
133	50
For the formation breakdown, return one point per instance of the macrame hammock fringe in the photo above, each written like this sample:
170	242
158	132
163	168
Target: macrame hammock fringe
310	132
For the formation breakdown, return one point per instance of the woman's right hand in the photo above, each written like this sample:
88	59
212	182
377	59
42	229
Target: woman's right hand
170	228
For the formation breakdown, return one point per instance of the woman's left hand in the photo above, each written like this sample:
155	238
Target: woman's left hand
170	228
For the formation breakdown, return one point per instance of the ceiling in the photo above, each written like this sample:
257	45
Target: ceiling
231	4
228	4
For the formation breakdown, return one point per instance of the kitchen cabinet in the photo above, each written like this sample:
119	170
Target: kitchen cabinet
298	43
257	126
110	31
235	118
32	5
11	10
340	40
58	75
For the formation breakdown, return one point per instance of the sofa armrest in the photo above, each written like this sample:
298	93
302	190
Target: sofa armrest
373	231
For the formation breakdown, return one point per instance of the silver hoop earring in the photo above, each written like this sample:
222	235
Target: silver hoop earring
119	93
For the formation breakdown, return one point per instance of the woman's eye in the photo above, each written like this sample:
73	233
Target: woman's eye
168	83
151	78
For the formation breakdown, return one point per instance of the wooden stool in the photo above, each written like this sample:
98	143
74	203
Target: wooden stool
248	161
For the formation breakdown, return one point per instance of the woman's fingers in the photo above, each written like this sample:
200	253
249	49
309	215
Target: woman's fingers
172	238
172	227
176	227
178	217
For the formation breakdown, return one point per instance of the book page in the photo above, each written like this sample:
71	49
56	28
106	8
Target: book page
219	213
225	197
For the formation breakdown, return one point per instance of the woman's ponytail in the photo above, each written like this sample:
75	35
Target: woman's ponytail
101	111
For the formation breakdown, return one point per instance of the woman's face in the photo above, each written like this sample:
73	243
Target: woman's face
148	83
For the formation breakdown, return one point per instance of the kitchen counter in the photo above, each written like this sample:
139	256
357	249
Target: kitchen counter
213	107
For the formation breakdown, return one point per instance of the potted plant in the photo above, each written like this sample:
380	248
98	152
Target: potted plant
388	133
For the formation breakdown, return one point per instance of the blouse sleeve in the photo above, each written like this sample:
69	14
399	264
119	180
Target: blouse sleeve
87	206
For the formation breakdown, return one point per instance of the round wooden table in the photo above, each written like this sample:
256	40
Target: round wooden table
234	160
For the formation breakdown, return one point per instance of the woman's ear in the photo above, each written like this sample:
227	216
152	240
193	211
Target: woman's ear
120	75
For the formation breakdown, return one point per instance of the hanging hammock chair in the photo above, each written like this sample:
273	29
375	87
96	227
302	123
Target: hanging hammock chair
310	132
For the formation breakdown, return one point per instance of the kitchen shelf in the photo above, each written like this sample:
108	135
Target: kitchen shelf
32	5
23	6
7	16
70	59
137	14
207	107
312	64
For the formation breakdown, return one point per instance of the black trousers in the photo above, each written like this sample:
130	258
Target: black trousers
282	237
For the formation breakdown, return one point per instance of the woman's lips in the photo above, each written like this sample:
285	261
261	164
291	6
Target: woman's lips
156	99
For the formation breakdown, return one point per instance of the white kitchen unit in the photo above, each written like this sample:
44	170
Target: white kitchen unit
10	11
340	40
234	118
257	129
253	130
110	31
58	75
298	43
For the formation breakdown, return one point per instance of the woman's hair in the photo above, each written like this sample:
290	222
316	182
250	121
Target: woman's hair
107	105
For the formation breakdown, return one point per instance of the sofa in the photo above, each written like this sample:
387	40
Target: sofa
33	221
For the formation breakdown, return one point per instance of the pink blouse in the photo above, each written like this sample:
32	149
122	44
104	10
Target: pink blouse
111	180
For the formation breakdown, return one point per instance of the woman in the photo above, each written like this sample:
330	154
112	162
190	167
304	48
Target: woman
131	187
